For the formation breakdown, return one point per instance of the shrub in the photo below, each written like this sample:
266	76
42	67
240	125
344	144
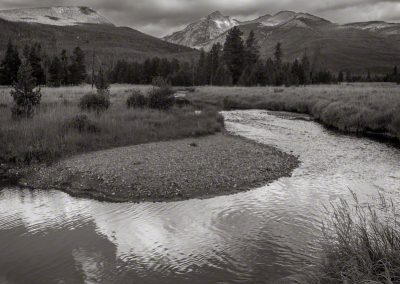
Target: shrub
26	98
161	98
94	102
136	100
81	123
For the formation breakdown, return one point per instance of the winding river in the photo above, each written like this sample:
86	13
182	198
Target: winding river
267	235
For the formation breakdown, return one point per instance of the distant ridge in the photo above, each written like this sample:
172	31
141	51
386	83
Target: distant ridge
358	47
57	28
58	16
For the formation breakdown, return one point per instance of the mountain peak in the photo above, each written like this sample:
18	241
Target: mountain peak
215	14
55	15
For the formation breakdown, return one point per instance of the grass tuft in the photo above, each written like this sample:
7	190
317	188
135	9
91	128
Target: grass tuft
362	243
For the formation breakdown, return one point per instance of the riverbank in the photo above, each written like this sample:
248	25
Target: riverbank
369	109
166	171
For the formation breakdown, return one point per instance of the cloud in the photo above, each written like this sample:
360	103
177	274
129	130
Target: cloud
161	17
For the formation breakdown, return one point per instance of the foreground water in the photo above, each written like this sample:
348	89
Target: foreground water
267	235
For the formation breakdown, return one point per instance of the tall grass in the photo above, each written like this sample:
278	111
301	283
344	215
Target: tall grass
362	243
48	135
356	108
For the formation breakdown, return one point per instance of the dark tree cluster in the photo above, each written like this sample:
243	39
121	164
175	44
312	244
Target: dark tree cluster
237	62
56	71
67	70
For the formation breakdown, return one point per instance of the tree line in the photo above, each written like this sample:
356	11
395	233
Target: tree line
236	62
59	70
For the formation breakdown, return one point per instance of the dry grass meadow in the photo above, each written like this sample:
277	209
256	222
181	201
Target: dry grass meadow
356	108
47	136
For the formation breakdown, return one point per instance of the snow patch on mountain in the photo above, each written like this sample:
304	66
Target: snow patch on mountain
205	29
57	16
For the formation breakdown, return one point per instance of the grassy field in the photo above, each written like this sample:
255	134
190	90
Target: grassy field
52	133
355	108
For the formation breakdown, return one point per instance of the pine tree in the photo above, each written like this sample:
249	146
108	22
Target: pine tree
278	54
233	53
213	61
77	68
202	69
64	68
10	65
26	97
306	70
35	60
55	72
102	83
252	52
340	77
223	77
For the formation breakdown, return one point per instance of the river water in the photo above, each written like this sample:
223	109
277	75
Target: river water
267	235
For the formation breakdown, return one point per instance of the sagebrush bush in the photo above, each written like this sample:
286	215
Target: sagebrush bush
81	123
94	102
161	98
136	100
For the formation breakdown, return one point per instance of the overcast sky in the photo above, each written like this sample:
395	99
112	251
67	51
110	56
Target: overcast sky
161	17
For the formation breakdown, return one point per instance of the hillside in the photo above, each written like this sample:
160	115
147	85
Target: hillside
89	31
357	47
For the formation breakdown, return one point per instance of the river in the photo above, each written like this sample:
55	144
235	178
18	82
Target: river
267	235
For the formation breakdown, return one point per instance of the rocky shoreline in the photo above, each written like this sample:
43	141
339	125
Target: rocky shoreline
166	171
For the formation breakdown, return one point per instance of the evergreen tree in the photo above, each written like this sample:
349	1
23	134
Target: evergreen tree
26	97
102	83
213	61
202	69
306	70
252	52
64	68
10	65
340	77
223	76
55	72
77	68
233	53
278	54
35	60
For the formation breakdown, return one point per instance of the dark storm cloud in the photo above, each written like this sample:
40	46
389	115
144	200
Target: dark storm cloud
160	17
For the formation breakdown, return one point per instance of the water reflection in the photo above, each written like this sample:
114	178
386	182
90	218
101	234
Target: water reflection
262	236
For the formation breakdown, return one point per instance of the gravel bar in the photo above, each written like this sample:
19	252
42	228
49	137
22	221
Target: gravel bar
167	171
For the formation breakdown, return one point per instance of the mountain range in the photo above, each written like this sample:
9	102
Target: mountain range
373	46
57	28
358	47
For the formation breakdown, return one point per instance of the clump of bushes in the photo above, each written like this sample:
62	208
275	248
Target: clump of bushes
161	98
136	100
94	102
82	123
